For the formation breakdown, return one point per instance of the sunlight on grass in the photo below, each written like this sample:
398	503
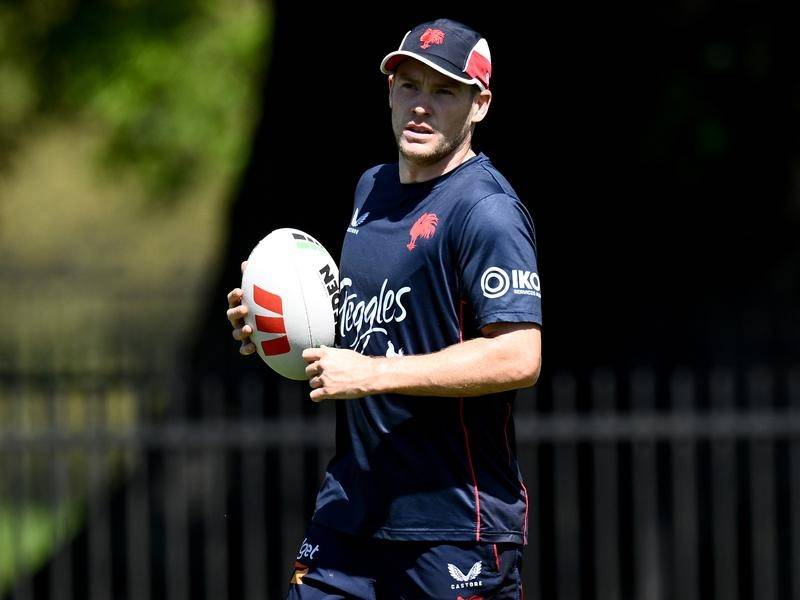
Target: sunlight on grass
28	535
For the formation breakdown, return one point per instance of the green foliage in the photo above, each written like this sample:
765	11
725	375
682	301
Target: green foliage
174	86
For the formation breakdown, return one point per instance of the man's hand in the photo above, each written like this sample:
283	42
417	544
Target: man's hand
338	374
236	314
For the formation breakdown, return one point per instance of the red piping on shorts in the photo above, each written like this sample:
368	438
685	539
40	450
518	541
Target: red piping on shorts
496	557
476	492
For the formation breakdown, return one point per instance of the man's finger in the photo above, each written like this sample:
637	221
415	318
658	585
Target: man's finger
235	297
242	333
237	313
315	382
318	395
313	369
247	349
244	266
312	354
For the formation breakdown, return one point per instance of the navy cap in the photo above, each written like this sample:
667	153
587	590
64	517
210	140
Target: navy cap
449	47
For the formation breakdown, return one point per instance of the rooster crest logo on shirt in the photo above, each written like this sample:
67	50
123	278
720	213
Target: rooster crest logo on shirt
431	36
425	227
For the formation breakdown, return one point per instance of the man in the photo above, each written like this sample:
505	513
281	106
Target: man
439	322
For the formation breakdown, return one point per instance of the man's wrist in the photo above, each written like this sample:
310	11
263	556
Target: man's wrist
380	382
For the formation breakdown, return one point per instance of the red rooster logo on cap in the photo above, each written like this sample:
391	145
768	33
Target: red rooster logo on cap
431	36
425	227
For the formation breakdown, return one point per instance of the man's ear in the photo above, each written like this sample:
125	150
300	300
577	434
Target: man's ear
390	81
483	100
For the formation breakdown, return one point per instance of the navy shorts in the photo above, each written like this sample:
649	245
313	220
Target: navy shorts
331	564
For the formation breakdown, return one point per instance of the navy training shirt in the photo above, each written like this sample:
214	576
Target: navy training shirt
424	266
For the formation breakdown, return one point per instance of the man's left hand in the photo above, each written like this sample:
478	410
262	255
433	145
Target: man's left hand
339	374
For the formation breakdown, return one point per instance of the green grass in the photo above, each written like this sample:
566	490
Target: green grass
28	535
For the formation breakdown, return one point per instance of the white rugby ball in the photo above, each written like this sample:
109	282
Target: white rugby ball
291	290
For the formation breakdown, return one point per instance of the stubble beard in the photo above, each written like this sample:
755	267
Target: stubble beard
443	148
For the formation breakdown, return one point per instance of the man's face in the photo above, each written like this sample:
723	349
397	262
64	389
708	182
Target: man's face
432	115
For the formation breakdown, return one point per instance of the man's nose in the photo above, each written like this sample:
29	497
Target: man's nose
421	109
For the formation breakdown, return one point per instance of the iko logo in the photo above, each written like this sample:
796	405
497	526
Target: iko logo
366	316
425	227
495	282
465	581
356	221
273	303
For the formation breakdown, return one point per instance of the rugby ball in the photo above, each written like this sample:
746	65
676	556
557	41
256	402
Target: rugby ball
291	290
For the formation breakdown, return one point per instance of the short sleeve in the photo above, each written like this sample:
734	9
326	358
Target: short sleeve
497	263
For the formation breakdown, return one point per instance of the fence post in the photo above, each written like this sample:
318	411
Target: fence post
60	502
606	501
174	483
794	483
567	496
98	519
20	478
137	510
762	492
648	576
214	486
254	530
724	493
684	494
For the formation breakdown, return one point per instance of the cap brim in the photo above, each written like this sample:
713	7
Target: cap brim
393	59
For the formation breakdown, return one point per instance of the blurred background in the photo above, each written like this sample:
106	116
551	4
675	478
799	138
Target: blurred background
145	147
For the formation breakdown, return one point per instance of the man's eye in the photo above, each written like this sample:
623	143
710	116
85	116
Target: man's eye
445	91
407	86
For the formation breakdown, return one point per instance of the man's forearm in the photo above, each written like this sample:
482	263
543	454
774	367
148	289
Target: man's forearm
507	357
473	368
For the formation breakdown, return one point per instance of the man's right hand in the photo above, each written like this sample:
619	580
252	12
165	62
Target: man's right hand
236	314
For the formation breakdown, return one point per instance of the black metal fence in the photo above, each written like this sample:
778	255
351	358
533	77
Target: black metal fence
643	485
